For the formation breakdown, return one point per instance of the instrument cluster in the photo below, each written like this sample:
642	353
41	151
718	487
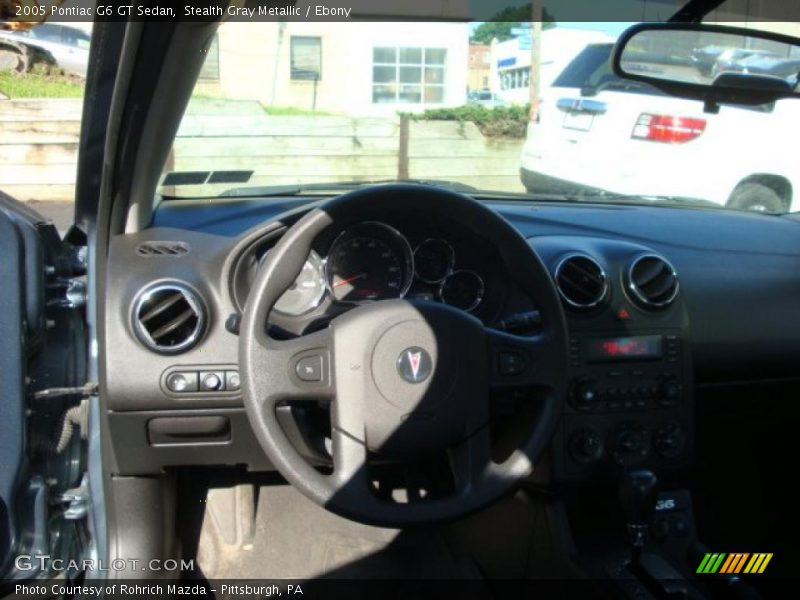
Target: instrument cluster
371	261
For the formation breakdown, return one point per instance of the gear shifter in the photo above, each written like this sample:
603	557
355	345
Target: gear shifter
638	491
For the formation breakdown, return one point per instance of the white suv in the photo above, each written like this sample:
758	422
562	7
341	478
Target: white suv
597	133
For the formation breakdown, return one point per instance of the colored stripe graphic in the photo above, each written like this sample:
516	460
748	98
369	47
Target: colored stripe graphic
711	563
735	562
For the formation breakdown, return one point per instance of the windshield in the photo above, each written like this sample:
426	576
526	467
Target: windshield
311	108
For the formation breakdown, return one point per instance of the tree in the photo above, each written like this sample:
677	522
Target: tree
501	24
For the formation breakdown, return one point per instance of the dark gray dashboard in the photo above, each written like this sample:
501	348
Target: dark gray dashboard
739	279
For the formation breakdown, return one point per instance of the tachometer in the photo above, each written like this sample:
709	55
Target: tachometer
369	261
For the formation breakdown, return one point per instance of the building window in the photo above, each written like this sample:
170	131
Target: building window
408	75
513	79
306	58
210	70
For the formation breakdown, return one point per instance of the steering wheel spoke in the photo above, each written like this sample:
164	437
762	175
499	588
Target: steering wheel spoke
471	461
349	459
297	369
522	362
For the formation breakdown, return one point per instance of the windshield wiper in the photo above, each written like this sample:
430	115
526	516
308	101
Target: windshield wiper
334	186
598	197
651	198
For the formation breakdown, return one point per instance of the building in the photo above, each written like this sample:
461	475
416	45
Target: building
479	66
391	67
510	61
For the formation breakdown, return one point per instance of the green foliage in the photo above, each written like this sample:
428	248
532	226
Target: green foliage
504	21
40	82
499	122
294	111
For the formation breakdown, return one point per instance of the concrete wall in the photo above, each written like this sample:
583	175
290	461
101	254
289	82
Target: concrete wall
39	146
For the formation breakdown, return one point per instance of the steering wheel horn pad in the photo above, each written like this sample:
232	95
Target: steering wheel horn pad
403	379
412	416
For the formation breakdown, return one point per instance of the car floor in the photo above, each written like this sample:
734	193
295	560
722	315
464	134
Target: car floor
290	537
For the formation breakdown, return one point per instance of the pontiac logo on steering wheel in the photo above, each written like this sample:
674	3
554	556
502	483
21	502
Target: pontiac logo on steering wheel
414	364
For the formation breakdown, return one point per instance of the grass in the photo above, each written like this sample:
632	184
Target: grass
293	111
40	83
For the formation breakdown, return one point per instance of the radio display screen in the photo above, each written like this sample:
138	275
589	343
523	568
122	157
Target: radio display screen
643	347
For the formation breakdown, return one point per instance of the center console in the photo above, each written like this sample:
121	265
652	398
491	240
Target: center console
629	402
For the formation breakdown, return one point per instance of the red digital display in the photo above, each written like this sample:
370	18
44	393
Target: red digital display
643	347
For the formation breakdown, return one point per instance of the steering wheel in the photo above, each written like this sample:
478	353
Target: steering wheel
404	379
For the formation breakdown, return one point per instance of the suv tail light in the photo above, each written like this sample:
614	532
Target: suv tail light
667	129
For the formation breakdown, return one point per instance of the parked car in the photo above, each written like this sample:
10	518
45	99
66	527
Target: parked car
785	68
598	134
485	98
703	59
60	45
732	59
16	55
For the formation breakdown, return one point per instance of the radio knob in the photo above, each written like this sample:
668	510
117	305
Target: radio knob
669	391
586	392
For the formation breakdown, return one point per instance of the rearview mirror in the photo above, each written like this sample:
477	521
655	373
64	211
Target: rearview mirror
712	63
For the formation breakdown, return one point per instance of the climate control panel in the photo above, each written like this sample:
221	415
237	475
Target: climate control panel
629	404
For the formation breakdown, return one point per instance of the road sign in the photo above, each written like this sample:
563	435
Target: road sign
524	42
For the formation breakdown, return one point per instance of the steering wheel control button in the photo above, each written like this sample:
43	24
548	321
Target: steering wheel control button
510	363
183	381
232	381
212	381
309	368
414	364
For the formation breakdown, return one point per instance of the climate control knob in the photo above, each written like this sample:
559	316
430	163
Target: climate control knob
629	444
670	440
586	446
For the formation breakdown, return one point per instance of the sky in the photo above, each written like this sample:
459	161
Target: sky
606	27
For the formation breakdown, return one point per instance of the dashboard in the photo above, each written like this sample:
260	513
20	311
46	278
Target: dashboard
659	301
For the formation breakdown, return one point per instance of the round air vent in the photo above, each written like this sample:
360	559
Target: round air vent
652	282
169	317
581	281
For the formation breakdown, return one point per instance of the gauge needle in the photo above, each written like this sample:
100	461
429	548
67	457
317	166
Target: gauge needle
349	279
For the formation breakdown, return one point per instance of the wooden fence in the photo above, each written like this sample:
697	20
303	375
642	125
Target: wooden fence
39	140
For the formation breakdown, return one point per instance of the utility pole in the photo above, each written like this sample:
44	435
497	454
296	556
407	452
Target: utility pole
535	78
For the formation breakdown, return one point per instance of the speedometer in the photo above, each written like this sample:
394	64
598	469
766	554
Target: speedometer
367	262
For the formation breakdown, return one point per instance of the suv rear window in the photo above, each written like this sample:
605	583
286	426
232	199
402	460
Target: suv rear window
592	69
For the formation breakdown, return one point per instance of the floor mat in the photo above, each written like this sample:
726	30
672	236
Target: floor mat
294	538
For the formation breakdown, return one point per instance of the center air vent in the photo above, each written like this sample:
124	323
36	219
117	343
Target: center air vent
148	249
652	281
169	318
581	281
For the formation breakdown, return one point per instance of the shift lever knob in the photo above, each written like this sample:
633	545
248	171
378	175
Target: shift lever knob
638	491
